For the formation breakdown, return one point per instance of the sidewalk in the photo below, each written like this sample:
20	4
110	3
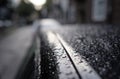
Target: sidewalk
14	52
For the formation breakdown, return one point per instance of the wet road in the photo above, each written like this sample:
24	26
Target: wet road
97	45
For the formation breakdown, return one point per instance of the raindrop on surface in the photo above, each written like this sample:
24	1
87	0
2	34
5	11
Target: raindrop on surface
57	63
103	70
50	64
68	59
90	71
69	73
68	66
64	56
93	61
54	55
53	72
86	64
42	72
51	59
85	70
96	58
73	78
39	67
59	72
78	40
49	67
113	56
75	55
82	44
59	54
48	53
66	63
87	59
80	61
58	49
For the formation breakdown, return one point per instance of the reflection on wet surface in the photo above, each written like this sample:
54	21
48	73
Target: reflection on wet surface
56	63
98	45
83	68
60	61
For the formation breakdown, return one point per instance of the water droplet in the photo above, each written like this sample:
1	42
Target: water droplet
59	72
58	48
96	58
57	63
73	78
68	59
69	73
85	70
93	61
86	64
51	59
90	71
78	40
103	70
48	53
80	61
53	72
68	66
64	56
49	67
66	63
75	55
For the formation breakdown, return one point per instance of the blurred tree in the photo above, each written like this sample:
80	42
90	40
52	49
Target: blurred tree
48	5
25	9
3	2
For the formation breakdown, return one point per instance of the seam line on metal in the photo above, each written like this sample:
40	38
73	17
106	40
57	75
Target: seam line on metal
81	74
69	57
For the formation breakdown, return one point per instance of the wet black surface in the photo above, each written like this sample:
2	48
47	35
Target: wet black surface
55	64
99	45
48	63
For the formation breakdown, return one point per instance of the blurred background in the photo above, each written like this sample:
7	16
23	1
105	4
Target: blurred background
22	12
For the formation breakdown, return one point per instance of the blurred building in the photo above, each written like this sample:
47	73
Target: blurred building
62	10
98	11
83	11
